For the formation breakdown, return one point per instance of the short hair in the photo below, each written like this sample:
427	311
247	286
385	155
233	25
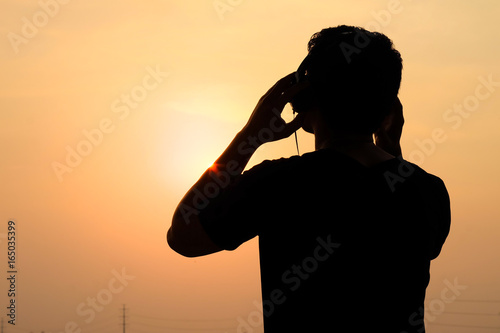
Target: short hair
355	77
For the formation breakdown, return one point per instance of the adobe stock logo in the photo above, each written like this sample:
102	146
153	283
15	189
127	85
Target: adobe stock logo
221	177
436	306
293	278
122	107
381	19
455	116
223	6
30	28
104	297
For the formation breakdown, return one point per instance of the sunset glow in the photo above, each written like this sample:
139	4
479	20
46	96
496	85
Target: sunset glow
111	110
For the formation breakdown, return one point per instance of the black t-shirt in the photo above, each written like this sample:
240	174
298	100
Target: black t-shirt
343	247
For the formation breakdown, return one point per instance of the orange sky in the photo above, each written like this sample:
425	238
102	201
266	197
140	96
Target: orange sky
110	110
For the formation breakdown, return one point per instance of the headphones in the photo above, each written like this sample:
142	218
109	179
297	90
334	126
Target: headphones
301	102
300	74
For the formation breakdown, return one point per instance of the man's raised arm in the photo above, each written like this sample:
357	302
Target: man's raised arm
186	234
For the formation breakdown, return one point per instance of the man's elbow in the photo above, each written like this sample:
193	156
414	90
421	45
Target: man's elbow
177	245
189	245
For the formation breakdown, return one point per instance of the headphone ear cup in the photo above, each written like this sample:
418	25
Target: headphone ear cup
300	74
302	101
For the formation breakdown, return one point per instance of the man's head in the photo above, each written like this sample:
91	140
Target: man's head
354	76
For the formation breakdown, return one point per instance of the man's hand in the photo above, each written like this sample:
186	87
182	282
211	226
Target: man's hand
388	135
186	235
266	122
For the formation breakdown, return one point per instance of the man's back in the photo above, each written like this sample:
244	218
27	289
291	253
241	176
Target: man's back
347	232
353	252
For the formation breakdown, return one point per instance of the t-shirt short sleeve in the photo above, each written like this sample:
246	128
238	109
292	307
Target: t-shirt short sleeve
442	213
240	211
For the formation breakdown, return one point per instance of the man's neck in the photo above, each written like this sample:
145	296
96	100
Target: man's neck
327	138
358	146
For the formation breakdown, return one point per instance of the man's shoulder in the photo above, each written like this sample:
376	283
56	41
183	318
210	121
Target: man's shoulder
399	168
307	160
403	179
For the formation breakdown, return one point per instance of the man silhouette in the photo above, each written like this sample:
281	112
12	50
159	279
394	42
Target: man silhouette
347	232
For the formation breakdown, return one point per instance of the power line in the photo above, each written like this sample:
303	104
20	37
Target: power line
184	320
204	329
177	324
477	300
17	329
99	326
473	313
467	326
103	329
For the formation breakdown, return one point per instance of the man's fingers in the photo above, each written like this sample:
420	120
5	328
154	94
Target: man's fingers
293	126
287	95
275	100
278	88
283	91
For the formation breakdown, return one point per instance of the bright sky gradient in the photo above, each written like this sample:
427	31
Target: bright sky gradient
193	74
